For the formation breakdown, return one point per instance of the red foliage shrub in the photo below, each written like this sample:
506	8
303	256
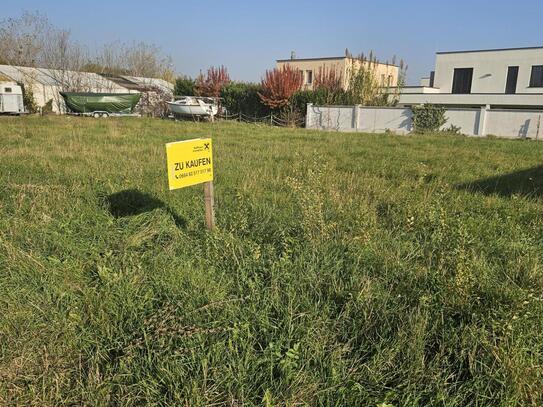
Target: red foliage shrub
328	79
212	83
278	86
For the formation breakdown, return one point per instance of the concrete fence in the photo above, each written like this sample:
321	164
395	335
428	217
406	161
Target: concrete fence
508	123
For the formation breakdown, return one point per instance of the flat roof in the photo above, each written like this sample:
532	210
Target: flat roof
328	59
308	59
488	50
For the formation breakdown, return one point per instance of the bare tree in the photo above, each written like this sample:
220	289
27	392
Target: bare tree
22	39
31	40
137	59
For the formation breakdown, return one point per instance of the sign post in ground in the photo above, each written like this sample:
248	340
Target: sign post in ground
190	162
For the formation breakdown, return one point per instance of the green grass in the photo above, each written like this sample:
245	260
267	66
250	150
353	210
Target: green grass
347	269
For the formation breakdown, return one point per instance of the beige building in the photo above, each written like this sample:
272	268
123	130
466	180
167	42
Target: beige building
386	74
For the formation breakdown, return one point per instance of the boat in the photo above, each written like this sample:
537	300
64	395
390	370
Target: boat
194	106
104	103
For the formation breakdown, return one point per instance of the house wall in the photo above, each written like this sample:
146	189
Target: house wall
489	69
337	64
506	123
342	66
386	75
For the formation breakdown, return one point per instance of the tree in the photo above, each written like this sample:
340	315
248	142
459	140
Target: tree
31	40
136	59
212	83
22	39
278	86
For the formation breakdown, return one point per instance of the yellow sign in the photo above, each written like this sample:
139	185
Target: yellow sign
189	162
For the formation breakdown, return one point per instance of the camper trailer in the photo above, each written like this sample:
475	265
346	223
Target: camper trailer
11	98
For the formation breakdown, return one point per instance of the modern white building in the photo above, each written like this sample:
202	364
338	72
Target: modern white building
495	78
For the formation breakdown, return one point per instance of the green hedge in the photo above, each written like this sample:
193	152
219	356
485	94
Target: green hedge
241	97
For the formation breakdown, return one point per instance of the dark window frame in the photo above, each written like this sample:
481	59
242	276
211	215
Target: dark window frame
309	77
8	90
462	81
536	80
511	80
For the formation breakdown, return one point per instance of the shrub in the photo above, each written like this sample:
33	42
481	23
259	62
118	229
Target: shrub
212	83
328	79
278	86
428	118
452	129
184	86
240	97
364	88
48	107
28	99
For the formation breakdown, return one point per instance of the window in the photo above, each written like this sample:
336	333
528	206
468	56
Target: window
383	79
462	80
511	82
7	90
536	80
308	77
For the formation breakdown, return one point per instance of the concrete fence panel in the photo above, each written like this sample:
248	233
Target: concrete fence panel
514	123
467	119
338	118
507	123
379	120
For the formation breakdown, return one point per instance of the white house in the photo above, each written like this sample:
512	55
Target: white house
495	78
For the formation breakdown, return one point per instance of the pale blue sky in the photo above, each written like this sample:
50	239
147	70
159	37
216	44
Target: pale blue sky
248	36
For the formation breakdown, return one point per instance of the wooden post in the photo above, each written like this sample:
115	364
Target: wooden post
209	204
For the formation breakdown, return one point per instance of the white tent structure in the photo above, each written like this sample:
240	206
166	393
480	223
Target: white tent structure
47	83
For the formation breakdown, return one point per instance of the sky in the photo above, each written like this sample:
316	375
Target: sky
248	36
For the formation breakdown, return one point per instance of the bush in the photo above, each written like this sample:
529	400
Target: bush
452	129
212	82
28	99
279	85
48	107
428	118
240	97
184	86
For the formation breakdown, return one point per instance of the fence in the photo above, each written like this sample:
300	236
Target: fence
272	120
508	123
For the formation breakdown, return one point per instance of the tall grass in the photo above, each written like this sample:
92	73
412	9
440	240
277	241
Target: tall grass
346	269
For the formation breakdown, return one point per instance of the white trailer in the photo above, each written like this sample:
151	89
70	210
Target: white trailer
11	98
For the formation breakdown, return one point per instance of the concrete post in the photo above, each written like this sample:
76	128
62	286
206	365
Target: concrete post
481	131
308	114
355	117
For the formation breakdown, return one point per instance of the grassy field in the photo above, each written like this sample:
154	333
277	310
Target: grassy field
346	270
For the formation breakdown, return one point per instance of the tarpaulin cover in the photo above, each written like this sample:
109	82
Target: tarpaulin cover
104	102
